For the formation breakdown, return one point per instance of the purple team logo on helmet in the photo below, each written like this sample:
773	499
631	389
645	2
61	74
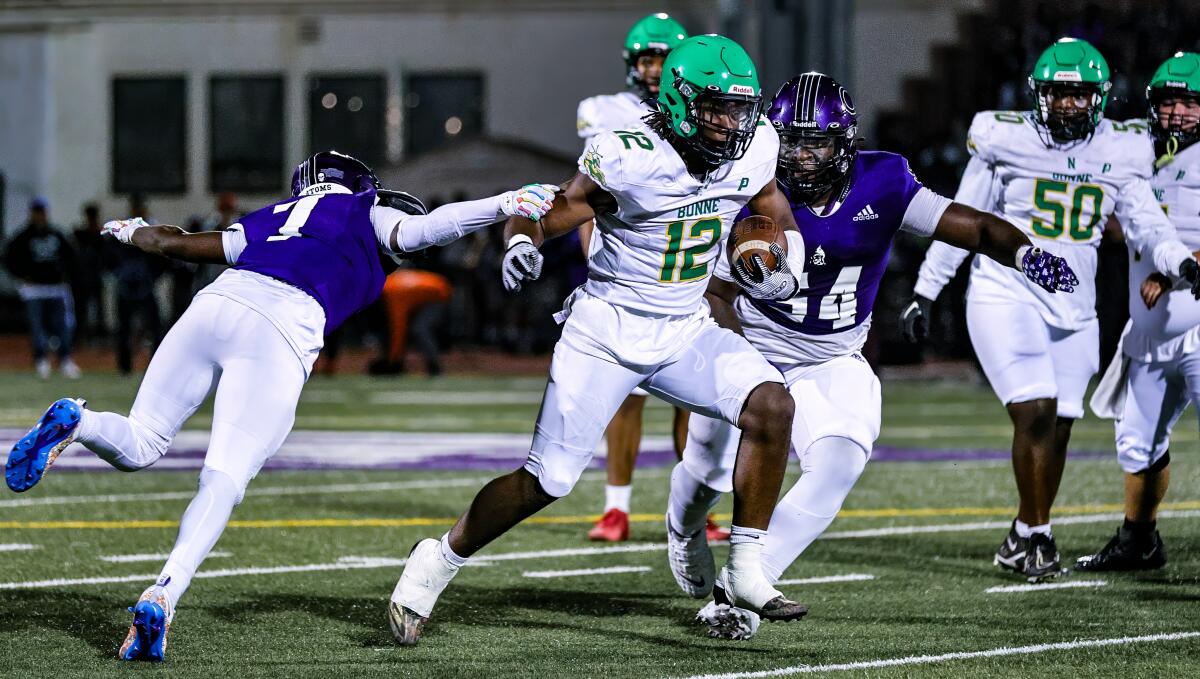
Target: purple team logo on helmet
336	168
817	125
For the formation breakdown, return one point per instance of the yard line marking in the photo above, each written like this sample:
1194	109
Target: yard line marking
136	558
849	577
988	525
946	657
586	571
1045	585
252	492
17	547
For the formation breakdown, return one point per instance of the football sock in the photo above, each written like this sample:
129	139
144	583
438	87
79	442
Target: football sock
617	497
745	548
1022	529
448	553
1138	530
830	468
689	502
120	441
199	529
1044	529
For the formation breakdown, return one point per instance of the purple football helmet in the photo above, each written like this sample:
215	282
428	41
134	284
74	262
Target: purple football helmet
817	125
334	167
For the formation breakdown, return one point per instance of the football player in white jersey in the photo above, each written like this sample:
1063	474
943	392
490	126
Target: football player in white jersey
664	195
647	45
1058	172
1157	370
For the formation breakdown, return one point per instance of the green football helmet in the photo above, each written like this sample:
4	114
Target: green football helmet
1070	65
711	96
1177	77
655	34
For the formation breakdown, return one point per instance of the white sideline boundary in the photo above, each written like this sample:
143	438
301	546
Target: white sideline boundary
381	562
1069	584
947	657
586	571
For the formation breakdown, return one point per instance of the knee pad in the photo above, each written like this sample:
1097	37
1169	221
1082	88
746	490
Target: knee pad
222	484
557	468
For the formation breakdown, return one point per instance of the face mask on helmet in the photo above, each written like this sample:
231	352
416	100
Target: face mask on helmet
811	162
723	124
332	167
1068	111
1175	118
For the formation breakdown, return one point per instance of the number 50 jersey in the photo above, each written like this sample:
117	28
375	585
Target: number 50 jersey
669	227
1060	196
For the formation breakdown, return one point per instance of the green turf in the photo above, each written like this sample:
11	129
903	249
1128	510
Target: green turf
928	596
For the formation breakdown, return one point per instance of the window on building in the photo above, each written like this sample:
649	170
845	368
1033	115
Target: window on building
149	147
245	142
346	113
442	108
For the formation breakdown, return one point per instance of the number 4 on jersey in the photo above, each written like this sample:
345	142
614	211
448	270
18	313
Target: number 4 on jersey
300	210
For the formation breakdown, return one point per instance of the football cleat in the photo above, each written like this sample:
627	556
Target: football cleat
715	533
147	636
37	450
755	594
691	561
612	527
1042	561
1011	555
1126	554
425	575
728	622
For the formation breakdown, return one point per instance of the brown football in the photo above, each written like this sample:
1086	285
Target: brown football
752	236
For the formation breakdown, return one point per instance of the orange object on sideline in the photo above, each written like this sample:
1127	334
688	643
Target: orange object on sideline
405	291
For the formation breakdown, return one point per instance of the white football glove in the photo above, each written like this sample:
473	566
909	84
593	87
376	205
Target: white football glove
122	229
531	201
522	262
765	283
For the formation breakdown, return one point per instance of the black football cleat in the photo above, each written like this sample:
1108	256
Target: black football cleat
1011	554
1042	561
1124	553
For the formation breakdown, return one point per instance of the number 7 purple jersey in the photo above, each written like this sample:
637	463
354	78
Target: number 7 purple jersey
324	245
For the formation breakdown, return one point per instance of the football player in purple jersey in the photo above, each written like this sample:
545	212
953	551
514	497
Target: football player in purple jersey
849	205
298	269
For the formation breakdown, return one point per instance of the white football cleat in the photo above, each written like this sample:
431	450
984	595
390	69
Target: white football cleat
691	561
728	622
751	591
425	575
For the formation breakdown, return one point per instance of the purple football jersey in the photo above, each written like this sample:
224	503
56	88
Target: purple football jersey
847	251
323	244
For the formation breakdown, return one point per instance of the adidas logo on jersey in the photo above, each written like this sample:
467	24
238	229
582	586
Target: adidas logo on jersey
866	213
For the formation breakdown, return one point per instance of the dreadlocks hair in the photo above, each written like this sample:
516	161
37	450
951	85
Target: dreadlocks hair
659	122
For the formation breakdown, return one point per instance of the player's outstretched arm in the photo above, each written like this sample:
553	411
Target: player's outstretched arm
400	231
576	203
168	241
984	233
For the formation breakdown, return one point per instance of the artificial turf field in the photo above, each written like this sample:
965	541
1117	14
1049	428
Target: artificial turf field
300	580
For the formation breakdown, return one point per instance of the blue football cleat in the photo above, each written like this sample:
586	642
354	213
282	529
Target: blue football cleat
37	450
147	637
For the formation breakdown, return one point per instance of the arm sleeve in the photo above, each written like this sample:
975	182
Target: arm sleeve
233	239
924	212
444	225
1147	229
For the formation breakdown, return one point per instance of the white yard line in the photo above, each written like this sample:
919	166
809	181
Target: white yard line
17	547
991	525
1066	584
948	657
849	577
252	492
137	558
586	571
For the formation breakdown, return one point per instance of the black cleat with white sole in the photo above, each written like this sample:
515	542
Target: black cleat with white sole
1042	561
779	609
1125	553
1011	554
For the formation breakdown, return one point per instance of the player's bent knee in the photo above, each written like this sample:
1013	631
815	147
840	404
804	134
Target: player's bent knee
556	470
1141	459
222	484
768	408
151	446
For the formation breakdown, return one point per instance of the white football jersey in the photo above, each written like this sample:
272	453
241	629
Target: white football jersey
607	112
1177	186
1060	196
669	227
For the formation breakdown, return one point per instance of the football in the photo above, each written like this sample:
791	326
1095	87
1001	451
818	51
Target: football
754	236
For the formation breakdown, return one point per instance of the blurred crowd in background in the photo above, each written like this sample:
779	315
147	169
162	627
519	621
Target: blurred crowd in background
77	287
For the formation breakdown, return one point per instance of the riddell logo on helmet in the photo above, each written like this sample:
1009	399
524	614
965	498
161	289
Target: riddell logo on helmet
804	123
741	89
1175	83
1067	76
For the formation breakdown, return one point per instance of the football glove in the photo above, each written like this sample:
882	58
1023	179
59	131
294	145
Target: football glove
522	262
1190	271
914	320
122	229
764	283
531	201
1050	272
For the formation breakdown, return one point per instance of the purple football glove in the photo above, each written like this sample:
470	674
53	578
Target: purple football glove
1051	272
